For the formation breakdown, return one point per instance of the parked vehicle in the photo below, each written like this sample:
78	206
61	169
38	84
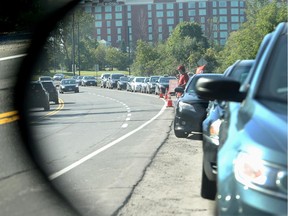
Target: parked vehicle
58	77
190	109
104	77
129	87
150	88
52	90
210	126
136	84
112	80
122	83
79	80
38	96
163	84
68	85
45	78
144	85
252	154
89	81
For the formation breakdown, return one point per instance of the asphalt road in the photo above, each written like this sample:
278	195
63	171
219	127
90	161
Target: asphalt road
104	151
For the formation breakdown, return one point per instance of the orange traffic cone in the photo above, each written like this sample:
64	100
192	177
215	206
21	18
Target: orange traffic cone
160	94
169	101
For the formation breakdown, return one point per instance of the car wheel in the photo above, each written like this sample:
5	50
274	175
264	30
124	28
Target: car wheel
208	188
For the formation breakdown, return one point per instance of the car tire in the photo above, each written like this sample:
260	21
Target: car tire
208	188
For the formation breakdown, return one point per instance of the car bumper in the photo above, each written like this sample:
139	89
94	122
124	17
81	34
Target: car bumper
210	150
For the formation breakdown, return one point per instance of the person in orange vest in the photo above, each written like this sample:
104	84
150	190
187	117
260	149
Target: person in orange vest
183	78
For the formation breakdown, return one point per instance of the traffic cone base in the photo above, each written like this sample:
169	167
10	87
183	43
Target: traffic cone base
169	102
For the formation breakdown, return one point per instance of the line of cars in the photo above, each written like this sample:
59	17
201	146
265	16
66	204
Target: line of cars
244	130
153	84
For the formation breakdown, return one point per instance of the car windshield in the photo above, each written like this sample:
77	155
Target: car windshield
89	77
123	78
154	79
71	81
48	85
116	76
140	79
274	86
166	79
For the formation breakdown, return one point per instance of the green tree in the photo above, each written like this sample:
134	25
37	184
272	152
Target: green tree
116	58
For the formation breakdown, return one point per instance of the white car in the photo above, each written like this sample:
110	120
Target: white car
136	84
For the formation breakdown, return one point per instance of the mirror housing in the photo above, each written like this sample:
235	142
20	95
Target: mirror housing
219	88
179	89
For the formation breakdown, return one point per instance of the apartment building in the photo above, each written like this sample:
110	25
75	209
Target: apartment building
154	20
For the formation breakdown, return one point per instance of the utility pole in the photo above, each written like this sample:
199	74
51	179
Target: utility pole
73	45
129	50
78	48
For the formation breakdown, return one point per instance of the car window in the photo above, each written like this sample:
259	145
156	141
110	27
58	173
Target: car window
274	85
240	73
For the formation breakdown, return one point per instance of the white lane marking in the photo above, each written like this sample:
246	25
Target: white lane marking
12	57
93	154
124	125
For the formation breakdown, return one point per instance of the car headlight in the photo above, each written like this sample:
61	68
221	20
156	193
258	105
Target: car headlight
186	106
260	175
214	131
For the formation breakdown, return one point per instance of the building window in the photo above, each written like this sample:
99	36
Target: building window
150	37
119	38
202	19
98	24
191	4
215	27
215	12
150	29
223	27
150	14
202	4
242	11
129	15
118	23
223	34
170	13
215	35
129	8
170	6
88	9
129	23
160	29
203	27
108	23
235	26
109	38
223	11
108	9
98	9
214	3
222	42
234	11
98	16
223	19
180	5
234	4
159	14
149	22
98	31
191	13
118	15
242	19
235	18
202	12
222	3
192	19
108	16
170	28
160	22
181	13
118	8
119	30
170	21
160	37
181	19
98	38
241	3
159	6
108	31
149	7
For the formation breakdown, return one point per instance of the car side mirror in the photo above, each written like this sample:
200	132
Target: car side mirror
219	88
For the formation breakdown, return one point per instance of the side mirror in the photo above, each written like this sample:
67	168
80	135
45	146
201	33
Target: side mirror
179	89
216	88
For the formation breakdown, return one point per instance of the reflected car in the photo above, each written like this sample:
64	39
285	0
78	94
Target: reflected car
136	84
104	77
68	85
151	84
89	81
210	128
190	109
112	80
144	85
162	84
252	154
52	90
122	83
38	96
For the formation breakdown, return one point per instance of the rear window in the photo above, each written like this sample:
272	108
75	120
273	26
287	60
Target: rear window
240	73
48	85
